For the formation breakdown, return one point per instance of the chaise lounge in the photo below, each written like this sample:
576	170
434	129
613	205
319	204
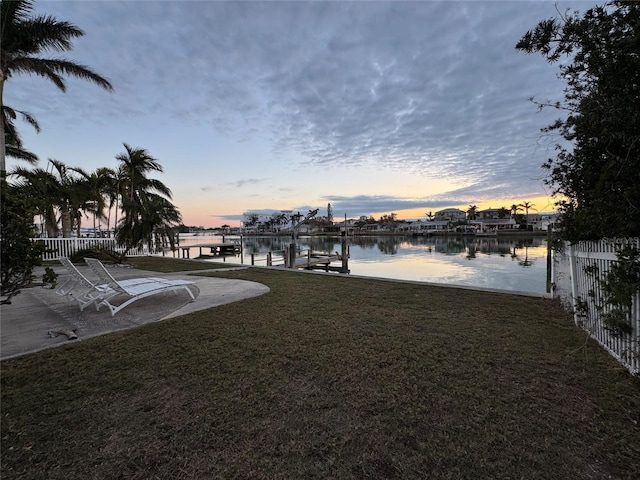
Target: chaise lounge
89	292
135	289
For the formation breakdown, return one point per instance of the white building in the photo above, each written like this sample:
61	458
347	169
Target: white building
450	214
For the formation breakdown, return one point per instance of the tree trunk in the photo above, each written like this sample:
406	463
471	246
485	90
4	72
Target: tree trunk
65	216
3	148
52	229
51	224
109	223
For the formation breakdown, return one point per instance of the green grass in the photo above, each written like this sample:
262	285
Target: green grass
169	265
328	377
161	264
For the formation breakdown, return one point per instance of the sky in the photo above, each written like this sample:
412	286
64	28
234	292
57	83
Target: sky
373	107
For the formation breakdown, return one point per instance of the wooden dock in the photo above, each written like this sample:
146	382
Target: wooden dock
315	260
302	259
318	261
214	249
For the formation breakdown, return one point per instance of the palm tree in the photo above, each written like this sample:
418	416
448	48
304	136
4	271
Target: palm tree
165	218
526	206
112	192
56	192
515	209
151	220
251	220
502	212
472	211
23	38
67	198
268	225
135	165
116	193
13	142
59	190
282	220
147	212
97	187
45	190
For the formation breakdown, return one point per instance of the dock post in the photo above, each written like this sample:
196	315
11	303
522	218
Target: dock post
292	255
253	259
345	256
549	260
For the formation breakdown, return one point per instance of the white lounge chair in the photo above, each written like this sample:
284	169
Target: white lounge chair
89	292
136	288
92	292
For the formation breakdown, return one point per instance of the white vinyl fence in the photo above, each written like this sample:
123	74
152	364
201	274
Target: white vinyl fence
578	273
65	247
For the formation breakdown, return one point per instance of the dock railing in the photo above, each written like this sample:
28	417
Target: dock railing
269	259
289	258
579	273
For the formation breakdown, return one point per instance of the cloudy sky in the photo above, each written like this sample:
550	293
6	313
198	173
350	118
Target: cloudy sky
374	107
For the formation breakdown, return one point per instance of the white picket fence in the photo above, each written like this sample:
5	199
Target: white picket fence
577	276
65	247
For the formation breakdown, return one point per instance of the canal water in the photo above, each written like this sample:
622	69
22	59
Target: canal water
504	263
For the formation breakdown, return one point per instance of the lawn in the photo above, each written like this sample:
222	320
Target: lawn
328	377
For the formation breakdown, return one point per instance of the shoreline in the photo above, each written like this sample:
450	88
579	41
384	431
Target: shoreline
535	233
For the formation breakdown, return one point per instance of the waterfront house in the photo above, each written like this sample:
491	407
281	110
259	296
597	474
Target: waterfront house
435	226
494	224
492	213
541	221
451	215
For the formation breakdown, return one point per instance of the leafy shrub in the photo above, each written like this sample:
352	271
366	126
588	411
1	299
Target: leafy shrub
103	254
18	254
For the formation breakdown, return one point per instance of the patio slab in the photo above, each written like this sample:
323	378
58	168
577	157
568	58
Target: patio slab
38	318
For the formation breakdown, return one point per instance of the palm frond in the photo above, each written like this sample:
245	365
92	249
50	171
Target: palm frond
9	114
13	141
54	69
21	154
45	33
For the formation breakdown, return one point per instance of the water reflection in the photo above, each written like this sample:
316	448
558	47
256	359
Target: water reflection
510	263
